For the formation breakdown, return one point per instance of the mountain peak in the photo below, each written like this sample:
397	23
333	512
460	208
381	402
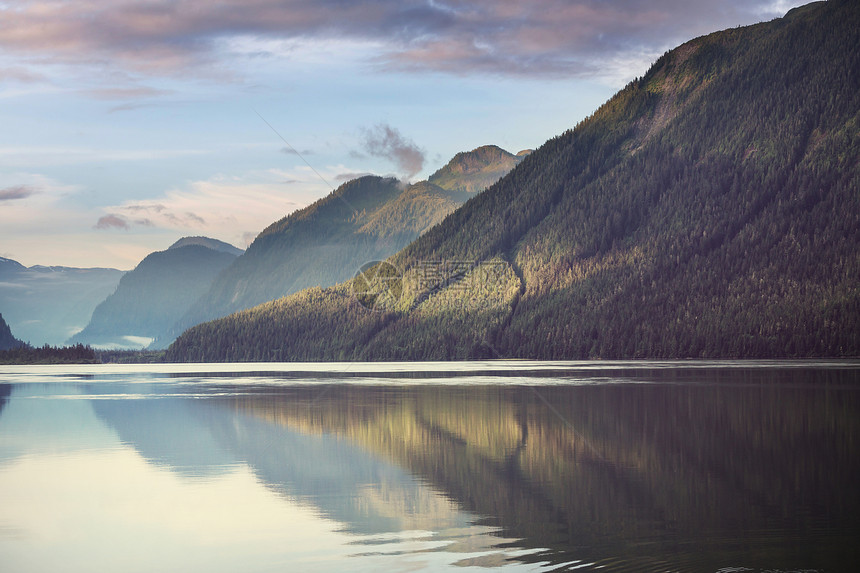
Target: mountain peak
161	287
213	244
473	171
10	266
707	210
7	339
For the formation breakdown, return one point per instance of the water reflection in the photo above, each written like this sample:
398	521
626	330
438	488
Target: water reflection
626	477
630	468
346	483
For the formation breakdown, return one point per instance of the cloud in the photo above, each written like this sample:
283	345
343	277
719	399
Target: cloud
16	192
42	191
507	37
111	221
386	142
124	93
226	207
248	238
53	227
19	74
148	214
291	151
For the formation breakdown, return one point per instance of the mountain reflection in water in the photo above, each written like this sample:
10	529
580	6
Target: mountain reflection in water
623	476
624	469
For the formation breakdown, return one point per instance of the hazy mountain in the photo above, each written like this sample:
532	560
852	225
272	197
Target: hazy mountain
366	219
7	340
9	267
46	305
161	288
213	244
709	209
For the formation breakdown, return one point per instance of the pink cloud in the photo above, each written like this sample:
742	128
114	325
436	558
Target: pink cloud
462	36
111	222
16	192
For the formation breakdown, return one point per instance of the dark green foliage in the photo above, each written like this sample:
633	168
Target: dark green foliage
709	209
322	244
130	356
26	354
308	325
418	208
366	219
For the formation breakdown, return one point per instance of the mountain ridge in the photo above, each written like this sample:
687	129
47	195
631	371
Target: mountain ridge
161	287
708	209
207	242
7	339
363	220
475	170
47	304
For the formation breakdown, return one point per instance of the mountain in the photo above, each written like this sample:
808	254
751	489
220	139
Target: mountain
9	267
708	209
475	170
161	288
315	245
213	244
410	214
364	220
7	340
46	305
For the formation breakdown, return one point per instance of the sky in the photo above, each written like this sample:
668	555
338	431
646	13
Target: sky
128	124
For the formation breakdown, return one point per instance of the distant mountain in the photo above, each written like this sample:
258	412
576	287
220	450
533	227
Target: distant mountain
9	267
161	288
475	170
708	209
213	244
46	305
7	340
366	219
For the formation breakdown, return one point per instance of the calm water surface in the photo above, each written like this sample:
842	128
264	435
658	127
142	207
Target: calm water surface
515	466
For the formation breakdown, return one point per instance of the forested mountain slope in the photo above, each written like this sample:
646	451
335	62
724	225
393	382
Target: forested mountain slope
473	171
709	209
7	339
366	219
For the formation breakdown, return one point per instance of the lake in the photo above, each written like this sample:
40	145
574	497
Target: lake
502	465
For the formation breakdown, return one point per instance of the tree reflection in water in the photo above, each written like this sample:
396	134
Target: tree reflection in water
690	470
